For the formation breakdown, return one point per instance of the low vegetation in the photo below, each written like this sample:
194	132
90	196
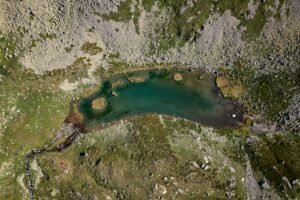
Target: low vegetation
126	12
46	36
186	21
91	48
265	94
276	160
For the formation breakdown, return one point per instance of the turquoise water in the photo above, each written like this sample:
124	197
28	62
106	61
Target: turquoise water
191	98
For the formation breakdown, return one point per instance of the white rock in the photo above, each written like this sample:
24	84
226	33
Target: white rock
206	159
232	170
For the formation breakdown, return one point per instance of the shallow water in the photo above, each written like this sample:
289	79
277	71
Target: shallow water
191	98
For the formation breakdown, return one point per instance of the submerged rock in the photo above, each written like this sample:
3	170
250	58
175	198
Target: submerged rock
202	76
136	79
114	93
117	84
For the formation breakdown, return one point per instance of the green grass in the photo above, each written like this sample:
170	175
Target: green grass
39	112
32	108
126	163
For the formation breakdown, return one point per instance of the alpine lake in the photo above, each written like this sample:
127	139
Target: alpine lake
181	93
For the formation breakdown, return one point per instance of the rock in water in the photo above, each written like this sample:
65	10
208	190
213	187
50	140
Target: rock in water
99	103
177	77
117	84
202	76
136	79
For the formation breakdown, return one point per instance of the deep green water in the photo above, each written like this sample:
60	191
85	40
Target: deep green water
191	98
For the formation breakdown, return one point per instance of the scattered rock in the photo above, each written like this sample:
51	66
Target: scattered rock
54	192
206	159
232	170
159	189
195	165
